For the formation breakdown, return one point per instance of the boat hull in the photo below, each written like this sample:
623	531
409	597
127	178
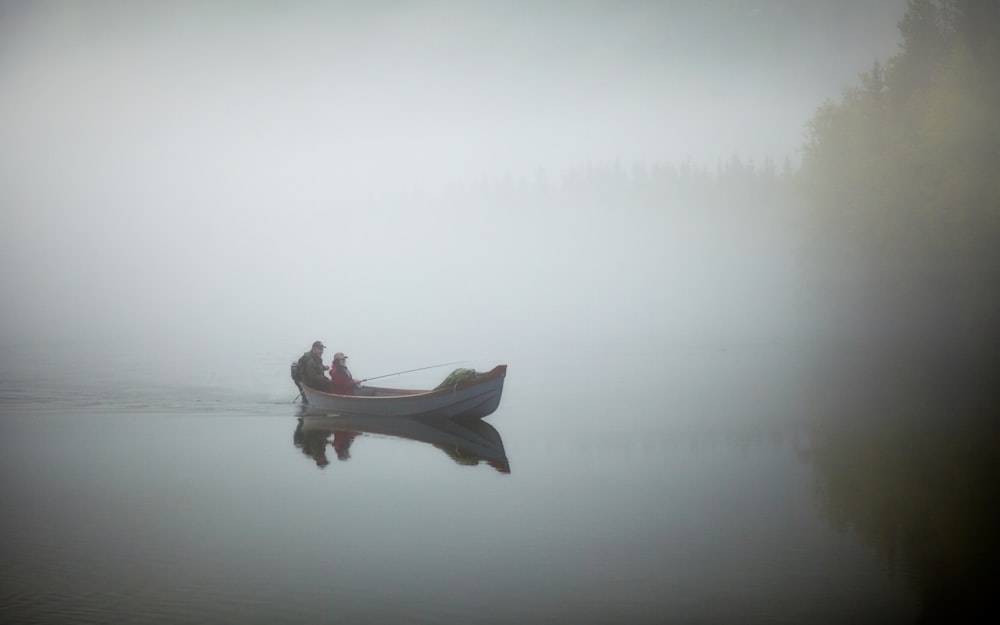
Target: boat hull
474	399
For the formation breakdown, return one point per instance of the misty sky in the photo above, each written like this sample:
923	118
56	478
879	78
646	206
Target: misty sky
176	169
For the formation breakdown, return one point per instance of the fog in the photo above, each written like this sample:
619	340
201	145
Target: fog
391	178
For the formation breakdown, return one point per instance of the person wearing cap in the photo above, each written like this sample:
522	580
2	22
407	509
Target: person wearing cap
341	381
312	368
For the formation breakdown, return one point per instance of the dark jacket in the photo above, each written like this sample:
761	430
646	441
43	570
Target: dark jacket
311	370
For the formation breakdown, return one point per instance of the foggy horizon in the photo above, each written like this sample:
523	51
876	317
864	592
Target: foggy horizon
179	172
732	264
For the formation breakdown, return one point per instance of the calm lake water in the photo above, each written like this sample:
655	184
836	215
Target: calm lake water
686	487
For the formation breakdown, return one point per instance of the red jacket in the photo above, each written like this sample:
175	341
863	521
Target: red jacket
341	381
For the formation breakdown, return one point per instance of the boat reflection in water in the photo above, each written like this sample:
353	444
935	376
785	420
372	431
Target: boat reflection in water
467	442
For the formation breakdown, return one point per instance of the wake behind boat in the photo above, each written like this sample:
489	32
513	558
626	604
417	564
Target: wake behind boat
472	396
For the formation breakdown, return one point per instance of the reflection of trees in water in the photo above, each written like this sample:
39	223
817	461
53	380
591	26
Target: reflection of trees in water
904	231
910	461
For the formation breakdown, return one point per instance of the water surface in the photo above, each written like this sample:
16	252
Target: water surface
684	487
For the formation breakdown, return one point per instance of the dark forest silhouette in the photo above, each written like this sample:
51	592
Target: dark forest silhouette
903	197
896	208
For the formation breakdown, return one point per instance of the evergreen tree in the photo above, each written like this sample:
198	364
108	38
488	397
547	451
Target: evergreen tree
903	170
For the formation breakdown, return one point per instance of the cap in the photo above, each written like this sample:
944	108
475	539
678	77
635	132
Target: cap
319	344
339	355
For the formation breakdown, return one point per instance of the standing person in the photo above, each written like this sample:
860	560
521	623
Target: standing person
312	369
341	381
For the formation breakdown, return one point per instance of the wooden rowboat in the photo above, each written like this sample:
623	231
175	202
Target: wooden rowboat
470	399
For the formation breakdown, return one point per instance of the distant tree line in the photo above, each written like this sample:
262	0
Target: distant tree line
735	183
902	177
902	171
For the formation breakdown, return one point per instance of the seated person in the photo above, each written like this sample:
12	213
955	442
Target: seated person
341	381
312	369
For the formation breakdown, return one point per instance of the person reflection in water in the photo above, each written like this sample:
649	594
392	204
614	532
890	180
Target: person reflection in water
341	443
313	444
341	382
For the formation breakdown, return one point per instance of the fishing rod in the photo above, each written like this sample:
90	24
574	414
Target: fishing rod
412	370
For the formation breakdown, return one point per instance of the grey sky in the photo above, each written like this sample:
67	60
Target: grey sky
164	165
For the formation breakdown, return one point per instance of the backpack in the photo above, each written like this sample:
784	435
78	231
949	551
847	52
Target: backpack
298	367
